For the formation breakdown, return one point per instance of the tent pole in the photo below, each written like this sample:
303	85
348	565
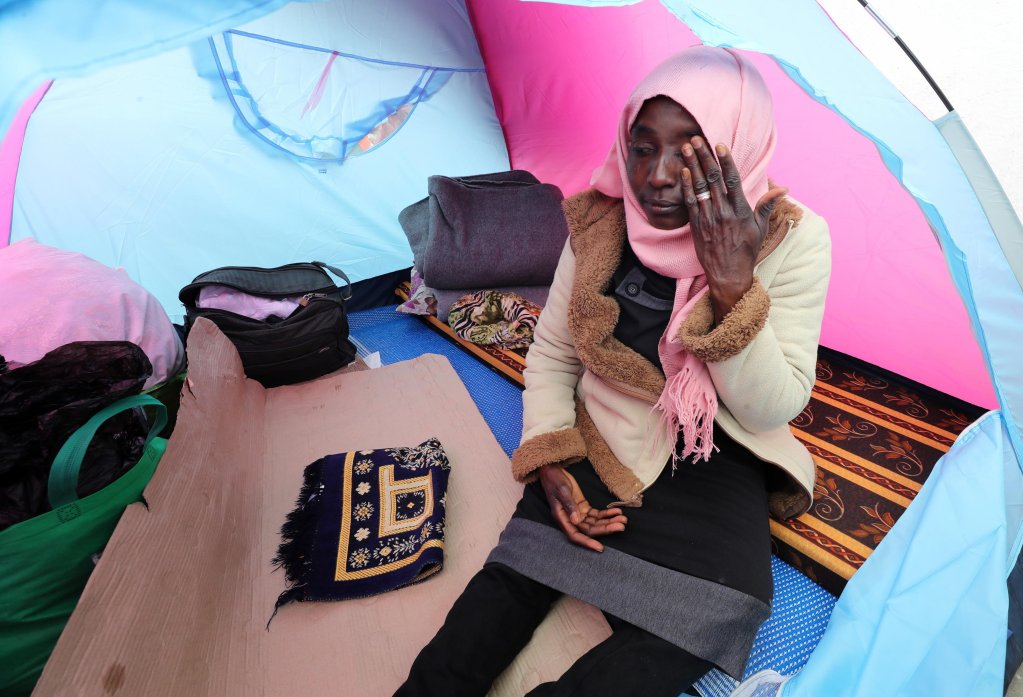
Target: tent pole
905	48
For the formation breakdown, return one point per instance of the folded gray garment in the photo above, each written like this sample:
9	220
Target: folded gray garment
486	231
447	298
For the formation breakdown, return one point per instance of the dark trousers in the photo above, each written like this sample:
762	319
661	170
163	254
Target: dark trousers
494	619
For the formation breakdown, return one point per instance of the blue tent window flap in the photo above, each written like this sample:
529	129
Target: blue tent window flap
320	111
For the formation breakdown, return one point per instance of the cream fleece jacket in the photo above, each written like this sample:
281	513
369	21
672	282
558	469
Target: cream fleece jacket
589	395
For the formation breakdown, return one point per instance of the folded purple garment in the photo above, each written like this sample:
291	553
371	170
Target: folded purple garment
486	231
242	303
447	298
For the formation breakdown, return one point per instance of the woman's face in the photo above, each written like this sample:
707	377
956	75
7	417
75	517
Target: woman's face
654	162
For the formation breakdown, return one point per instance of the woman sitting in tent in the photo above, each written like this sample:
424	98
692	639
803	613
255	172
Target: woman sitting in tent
679	339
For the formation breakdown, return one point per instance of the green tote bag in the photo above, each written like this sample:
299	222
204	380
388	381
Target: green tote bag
45	561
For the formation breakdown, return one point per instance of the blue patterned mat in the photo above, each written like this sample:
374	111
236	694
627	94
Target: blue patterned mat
801	608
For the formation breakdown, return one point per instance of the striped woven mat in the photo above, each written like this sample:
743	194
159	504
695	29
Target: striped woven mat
874	435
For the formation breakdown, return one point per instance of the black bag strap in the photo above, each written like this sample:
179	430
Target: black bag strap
290	279
346	291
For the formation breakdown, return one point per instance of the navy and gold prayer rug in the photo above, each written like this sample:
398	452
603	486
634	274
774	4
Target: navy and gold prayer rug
365	523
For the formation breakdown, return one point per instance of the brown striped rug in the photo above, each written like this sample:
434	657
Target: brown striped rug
874	435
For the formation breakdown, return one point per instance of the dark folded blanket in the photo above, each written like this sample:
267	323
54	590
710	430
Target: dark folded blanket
486	231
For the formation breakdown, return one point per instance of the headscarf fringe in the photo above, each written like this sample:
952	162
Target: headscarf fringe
687	409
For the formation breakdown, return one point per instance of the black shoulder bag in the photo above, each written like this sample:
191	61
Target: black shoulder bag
311	342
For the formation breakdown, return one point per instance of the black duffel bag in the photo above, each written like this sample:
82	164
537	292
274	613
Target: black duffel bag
310	342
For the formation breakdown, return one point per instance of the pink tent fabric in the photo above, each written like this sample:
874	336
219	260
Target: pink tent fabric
10	155
560	75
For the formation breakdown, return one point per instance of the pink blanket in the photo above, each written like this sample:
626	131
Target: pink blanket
52	297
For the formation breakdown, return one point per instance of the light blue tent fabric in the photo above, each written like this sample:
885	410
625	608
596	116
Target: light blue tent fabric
926	615
352	107
44	39
159	172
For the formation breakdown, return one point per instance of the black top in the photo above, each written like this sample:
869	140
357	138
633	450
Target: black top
722	503
645	299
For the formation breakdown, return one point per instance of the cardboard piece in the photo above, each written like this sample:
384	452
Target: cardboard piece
179	602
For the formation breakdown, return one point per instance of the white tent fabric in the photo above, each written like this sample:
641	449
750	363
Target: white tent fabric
970	51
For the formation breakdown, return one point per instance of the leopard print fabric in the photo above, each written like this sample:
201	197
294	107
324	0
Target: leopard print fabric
494	318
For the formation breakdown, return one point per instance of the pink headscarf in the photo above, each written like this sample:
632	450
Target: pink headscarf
728	98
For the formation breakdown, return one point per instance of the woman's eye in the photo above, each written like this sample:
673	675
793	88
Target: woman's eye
642	150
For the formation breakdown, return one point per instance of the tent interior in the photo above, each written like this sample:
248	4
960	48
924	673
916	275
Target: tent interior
292	132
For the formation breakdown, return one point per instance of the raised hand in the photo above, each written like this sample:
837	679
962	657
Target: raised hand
580	521
727	232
